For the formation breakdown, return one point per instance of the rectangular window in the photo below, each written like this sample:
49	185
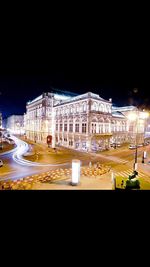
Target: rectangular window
71	127
65	127
83	127
56	127
77	127
60	127
71	143
93	128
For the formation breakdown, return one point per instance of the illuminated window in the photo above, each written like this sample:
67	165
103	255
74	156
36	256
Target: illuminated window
77	108
83	127
65	127
102	108
71	143
94	106
71	127
77	127
61	127
100	128
84	107
93	128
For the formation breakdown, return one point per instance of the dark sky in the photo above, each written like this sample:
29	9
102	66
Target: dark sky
110	69
80	51
22	82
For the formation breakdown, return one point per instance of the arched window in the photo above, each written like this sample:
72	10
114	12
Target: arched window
102	108
105	108
77	108
109	109
94	106
84	107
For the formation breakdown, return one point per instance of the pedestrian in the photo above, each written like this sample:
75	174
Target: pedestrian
90	164
55	150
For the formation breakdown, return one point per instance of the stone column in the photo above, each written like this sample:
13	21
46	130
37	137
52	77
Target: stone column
80	144
89	144
63	132
67	131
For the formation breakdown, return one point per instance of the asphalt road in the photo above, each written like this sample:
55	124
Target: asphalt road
16	166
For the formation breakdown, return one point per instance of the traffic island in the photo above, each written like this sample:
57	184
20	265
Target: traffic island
6	147
93	177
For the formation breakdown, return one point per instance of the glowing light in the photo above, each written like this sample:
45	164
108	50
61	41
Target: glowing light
21	149
75	171
132	116
144	115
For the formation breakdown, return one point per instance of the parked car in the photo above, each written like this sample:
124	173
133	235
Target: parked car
1	163
118	144
140	145
112	144
132	147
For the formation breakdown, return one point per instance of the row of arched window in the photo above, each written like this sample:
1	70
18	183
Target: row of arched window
106	108
71	109
101	107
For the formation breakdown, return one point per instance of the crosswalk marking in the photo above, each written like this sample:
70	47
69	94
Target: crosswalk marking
128	172
141	174
112	158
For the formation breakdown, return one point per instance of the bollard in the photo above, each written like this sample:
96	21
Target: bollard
113	179
76	165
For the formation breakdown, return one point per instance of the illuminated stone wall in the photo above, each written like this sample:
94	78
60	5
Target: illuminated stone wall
85	122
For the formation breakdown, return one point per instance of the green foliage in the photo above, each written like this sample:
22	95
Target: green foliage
132	184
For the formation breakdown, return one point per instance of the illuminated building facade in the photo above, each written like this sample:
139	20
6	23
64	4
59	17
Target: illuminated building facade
85	122
134	129
15	124
39	116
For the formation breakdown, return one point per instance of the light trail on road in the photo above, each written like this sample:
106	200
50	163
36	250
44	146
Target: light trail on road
22	148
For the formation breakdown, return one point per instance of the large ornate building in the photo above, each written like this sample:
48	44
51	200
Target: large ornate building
84	122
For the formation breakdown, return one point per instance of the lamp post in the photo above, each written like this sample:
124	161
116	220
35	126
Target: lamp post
136	142
136	116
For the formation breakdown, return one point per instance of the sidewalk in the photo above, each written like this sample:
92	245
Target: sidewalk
86	183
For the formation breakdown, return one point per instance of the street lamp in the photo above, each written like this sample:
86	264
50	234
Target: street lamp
136	116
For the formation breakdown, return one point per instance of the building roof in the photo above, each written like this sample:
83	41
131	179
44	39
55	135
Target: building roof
56	96
118	114
123	109
83	96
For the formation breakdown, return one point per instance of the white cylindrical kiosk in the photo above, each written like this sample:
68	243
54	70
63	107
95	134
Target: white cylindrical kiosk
76	164
145	154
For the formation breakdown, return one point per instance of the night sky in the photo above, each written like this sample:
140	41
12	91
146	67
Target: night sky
79	51
125	81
